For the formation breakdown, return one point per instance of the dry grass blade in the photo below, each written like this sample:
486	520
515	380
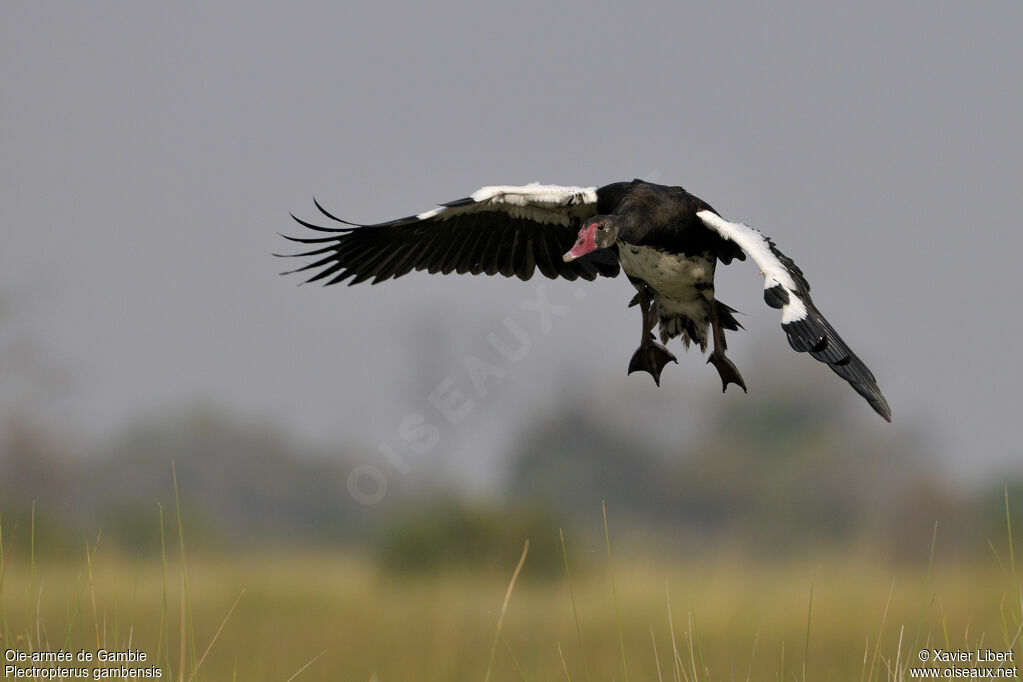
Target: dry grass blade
184	631
880	631
187	629
806	647
304	667
680	670
575	611
564	666
215	636
692	651
752	656
32	569
657	659
3	556
514	658
927	601
504	608
898	652
92	593
614	594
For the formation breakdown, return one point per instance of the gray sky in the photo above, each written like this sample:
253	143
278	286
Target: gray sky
152	152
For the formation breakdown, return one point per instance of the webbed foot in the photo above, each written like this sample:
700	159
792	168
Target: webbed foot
651	358
729	374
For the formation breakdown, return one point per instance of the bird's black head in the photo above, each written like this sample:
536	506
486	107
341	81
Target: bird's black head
598	232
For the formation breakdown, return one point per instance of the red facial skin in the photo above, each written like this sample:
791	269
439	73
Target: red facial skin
584	244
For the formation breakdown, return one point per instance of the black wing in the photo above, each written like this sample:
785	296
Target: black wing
505	230
786	289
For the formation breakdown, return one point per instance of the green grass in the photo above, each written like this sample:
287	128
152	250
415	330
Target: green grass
329	616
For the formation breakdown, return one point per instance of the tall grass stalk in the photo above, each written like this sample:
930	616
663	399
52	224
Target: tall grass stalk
3	574
880	632
305	667
657	659
134	596
163	639
614	594
752	656
806	646
575	612
187	627
1016	589
1008	528
216	635
564	666
692	649
92	594
925	602
504	607
680	670
514	658
32	569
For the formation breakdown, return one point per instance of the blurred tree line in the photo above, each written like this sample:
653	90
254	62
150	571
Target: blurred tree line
769	475
779	472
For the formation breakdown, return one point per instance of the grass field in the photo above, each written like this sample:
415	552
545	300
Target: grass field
323	616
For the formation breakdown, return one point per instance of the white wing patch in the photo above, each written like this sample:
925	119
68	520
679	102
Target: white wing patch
547	204
756	245
426	215
551	204
536	194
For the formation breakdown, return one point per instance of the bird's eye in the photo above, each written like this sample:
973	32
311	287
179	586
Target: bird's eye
602	228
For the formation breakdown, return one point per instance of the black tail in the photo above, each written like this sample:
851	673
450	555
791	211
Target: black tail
726	318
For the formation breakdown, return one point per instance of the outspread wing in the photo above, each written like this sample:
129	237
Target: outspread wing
785	288
503	229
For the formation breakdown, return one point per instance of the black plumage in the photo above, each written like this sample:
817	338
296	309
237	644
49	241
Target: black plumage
667	240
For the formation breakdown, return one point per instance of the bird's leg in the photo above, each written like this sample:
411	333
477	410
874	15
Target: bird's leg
729	374
651	357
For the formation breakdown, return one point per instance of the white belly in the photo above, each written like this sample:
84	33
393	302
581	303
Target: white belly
671	275
683	289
